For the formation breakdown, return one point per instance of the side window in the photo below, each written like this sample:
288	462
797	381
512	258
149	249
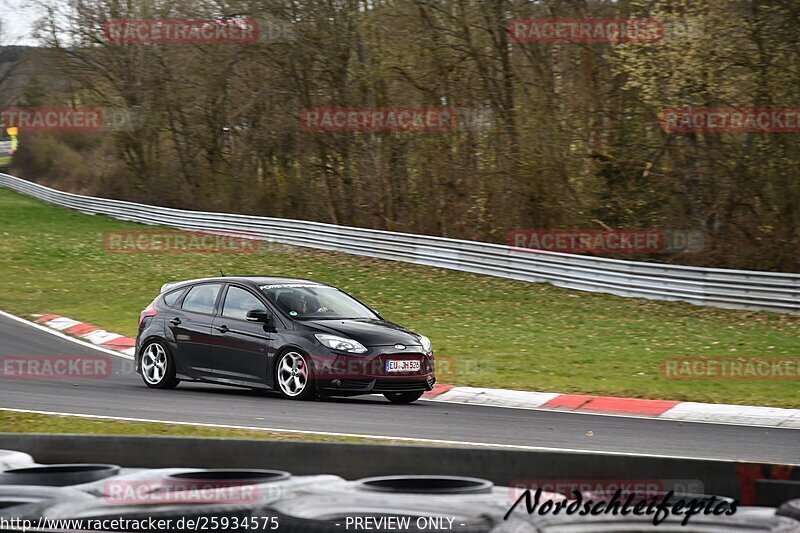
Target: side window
238	302
201	298
172	298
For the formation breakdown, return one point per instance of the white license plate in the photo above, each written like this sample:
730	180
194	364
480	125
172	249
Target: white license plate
400	365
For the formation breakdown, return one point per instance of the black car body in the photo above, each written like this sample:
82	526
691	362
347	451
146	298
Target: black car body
274	333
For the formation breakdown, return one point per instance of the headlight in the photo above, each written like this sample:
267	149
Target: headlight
426	343
340	343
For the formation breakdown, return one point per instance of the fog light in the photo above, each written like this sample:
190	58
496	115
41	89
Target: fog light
336	383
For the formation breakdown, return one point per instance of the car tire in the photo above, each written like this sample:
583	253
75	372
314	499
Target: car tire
294	376
159	371
403	397
58	475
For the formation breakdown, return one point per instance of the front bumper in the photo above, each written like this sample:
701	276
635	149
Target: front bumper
367	373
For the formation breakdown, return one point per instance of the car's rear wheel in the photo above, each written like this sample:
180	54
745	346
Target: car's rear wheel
294	377
403	397
158	368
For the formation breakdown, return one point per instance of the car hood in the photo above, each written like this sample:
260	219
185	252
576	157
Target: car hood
367	331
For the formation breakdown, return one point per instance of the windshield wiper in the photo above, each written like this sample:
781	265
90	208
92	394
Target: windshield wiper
341	318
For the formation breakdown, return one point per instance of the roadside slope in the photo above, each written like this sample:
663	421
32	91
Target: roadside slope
487	332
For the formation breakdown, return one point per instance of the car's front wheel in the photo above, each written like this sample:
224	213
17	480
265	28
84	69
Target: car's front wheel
158	368
294	377
403	397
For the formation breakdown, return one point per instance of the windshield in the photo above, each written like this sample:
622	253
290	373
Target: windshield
306	302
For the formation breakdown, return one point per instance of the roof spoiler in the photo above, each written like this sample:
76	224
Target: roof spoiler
167	286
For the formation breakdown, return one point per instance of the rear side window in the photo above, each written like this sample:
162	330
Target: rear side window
201	298
172	298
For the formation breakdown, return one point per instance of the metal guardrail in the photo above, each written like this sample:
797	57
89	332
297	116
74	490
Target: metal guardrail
727	288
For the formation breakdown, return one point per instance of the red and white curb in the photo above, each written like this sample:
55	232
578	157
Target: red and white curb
578	403
663	409
87	332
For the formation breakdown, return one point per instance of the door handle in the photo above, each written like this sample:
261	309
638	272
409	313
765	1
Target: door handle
222	329
175	321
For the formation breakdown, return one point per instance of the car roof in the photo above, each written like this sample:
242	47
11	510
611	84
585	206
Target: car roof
253	281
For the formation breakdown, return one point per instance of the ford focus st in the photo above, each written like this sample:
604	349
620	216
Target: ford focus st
301	338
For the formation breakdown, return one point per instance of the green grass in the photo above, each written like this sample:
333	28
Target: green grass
16	422
499	333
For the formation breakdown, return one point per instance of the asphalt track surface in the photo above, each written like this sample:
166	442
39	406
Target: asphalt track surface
122	394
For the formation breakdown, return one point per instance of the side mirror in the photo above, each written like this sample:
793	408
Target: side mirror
259	315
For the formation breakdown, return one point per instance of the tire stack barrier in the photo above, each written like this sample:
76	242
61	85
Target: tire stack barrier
326	503
11	459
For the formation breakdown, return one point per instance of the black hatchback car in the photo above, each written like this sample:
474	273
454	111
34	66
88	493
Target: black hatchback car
298	337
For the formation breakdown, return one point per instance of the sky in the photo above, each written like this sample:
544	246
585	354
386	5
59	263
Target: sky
18	17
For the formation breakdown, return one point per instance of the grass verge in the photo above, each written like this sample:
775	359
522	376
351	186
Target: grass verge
16	422
488	332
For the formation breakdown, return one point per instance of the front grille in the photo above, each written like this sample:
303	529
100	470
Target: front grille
354	383
400	386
